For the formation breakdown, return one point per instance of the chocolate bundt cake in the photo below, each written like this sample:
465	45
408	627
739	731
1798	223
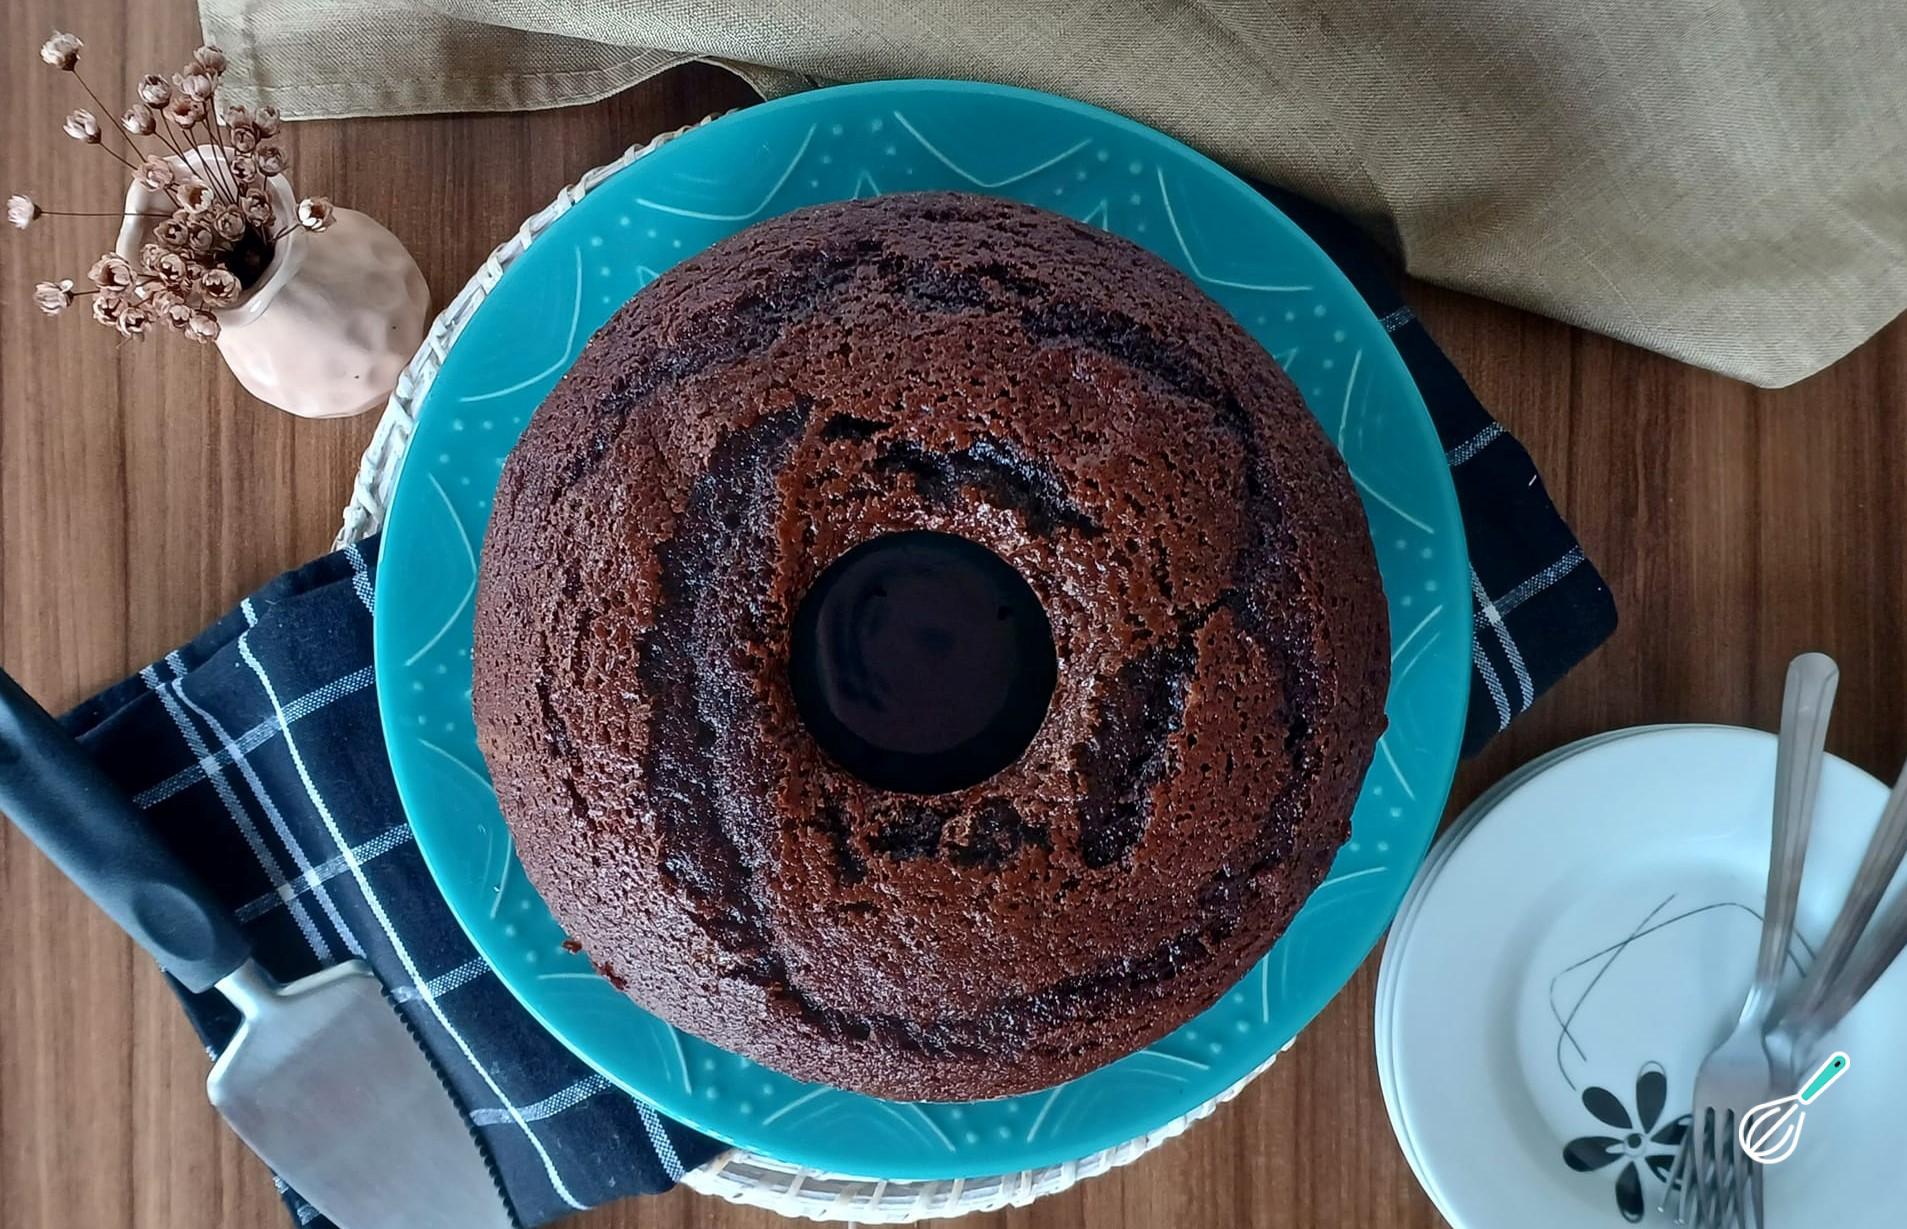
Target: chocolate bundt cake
925	645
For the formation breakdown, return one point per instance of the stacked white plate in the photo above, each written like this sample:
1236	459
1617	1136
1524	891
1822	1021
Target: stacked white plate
1574	946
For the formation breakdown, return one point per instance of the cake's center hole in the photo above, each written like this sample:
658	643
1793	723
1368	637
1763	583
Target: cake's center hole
922	662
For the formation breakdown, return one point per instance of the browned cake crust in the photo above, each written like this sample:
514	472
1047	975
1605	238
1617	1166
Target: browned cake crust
981	368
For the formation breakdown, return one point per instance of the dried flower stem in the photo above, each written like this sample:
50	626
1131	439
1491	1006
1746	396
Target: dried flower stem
209	168
118	157
224	154
213	159
179	151
171	143
178	147
136	149
108	112
159	130
109	213
220	162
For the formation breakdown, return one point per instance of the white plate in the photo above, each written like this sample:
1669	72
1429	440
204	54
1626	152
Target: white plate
1619	888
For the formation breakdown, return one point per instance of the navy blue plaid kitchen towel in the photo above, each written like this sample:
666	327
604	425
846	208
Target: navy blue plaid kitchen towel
257	754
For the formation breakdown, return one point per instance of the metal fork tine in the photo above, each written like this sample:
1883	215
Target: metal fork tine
1691	1168
1709	1190
1672	1180
1735	1213
1678	1174
1712	1182
1723	1212
1673	1176
1724	1171
1695	1194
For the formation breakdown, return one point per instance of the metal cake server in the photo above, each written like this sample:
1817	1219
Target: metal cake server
324	1080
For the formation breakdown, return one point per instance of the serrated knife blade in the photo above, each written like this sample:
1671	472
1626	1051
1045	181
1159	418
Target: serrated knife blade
327	1084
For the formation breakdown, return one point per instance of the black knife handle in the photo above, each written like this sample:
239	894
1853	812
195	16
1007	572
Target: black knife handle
57	795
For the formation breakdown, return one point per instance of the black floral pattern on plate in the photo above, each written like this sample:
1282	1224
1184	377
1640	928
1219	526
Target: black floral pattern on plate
1640	1143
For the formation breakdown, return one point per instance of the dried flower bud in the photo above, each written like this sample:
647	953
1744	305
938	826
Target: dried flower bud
238	115
194	196
244	168
156	173
315	212
177	313
258	211
61	51
139	120
153	90
83	125
111	272
266	118
185	110
107	305
244	138
54	297
133	321
194	82
271	158
21	211
150	254
203	326
199	239
220	287
210	58
174	270
228	223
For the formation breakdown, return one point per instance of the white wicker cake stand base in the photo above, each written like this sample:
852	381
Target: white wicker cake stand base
738	1176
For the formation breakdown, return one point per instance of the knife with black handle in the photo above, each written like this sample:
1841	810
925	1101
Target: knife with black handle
324	1079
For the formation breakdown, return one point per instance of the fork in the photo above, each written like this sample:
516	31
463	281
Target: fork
1710	1174
1843	972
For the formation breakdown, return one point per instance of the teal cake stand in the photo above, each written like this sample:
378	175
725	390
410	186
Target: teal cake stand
856	141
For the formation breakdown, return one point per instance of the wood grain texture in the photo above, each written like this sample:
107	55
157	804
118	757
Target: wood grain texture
142	493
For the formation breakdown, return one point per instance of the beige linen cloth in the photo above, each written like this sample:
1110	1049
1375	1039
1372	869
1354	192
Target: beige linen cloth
1724	181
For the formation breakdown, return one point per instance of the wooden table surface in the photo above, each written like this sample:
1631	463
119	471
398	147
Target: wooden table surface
142	493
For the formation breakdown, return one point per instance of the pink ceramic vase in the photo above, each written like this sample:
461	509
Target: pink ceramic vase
332	321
